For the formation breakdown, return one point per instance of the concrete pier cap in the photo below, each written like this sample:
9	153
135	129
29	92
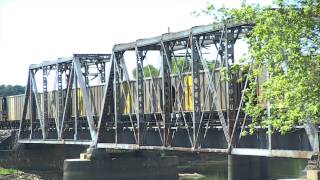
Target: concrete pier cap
313	175
103	163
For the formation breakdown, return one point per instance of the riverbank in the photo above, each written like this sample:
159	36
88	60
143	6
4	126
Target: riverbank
8	174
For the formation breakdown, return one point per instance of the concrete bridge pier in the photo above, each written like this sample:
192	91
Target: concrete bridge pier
102	164
230	168
247	168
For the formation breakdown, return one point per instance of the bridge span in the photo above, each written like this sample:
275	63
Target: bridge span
93	100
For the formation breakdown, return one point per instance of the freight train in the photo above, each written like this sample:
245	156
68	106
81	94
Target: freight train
11	106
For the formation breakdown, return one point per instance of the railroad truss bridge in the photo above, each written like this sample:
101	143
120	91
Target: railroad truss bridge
93	100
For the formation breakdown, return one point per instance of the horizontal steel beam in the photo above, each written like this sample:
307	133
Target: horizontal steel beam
50	63
155	41
103	57
48	141
235	151
137	147
272	153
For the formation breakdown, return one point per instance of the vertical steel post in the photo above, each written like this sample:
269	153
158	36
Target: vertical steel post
116	93
230	92
269	126
86	73
69	86
230	83
140	95
32	105
103	72
166	92
60	96
76	106
196	106
45	97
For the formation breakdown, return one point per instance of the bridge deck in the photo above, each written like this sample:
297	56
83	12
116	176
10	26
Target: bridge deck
234	151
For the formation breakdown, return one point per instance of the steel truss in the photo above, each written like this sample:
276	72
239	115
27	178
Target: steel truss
35	122
171	126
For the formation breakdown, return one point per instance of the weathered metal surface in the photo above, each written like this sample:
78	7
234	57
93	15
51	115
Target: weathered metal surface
103	57
189	108
140	95
198	30
196	103
166	92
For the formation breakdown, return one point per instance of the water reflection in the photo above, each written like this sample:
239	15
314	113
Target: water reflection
206	167
213	170
246	168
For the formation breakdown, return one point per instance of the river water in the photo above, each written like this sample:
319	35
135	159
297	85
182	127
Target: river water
42	162
250	168
216	168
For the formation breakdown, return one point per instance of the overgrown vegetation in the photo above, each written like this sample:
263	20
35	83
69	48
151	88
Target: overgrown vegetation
10	90
4	171
284	41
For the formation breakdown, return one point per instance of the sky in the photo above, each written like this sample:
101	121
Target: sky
33	31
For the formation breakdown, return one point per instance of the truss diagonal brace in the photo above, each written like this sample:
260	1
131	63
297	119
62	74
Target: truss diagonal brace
313	137
108	90
25	105
86	100
67	100
40	115
216	103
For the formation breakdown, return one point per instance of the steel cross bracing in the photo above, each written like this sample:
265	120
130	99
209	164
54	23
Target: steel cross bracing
188	107
69	73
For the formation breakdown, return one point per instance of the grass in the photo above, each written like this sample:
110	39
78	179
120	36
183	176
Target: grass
4	171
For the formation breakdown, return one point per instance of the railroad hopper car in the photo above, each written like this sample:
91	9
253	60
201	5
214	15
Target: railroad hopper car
181	94
12	106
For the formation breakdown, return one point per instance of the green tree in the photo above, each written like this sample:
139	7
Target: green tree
181	65
284	41
10	90
148	71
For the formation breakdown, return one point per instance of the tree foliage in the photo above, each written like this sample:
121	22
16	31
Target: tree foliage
284	41
178	65
148	71
182	66
10	90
